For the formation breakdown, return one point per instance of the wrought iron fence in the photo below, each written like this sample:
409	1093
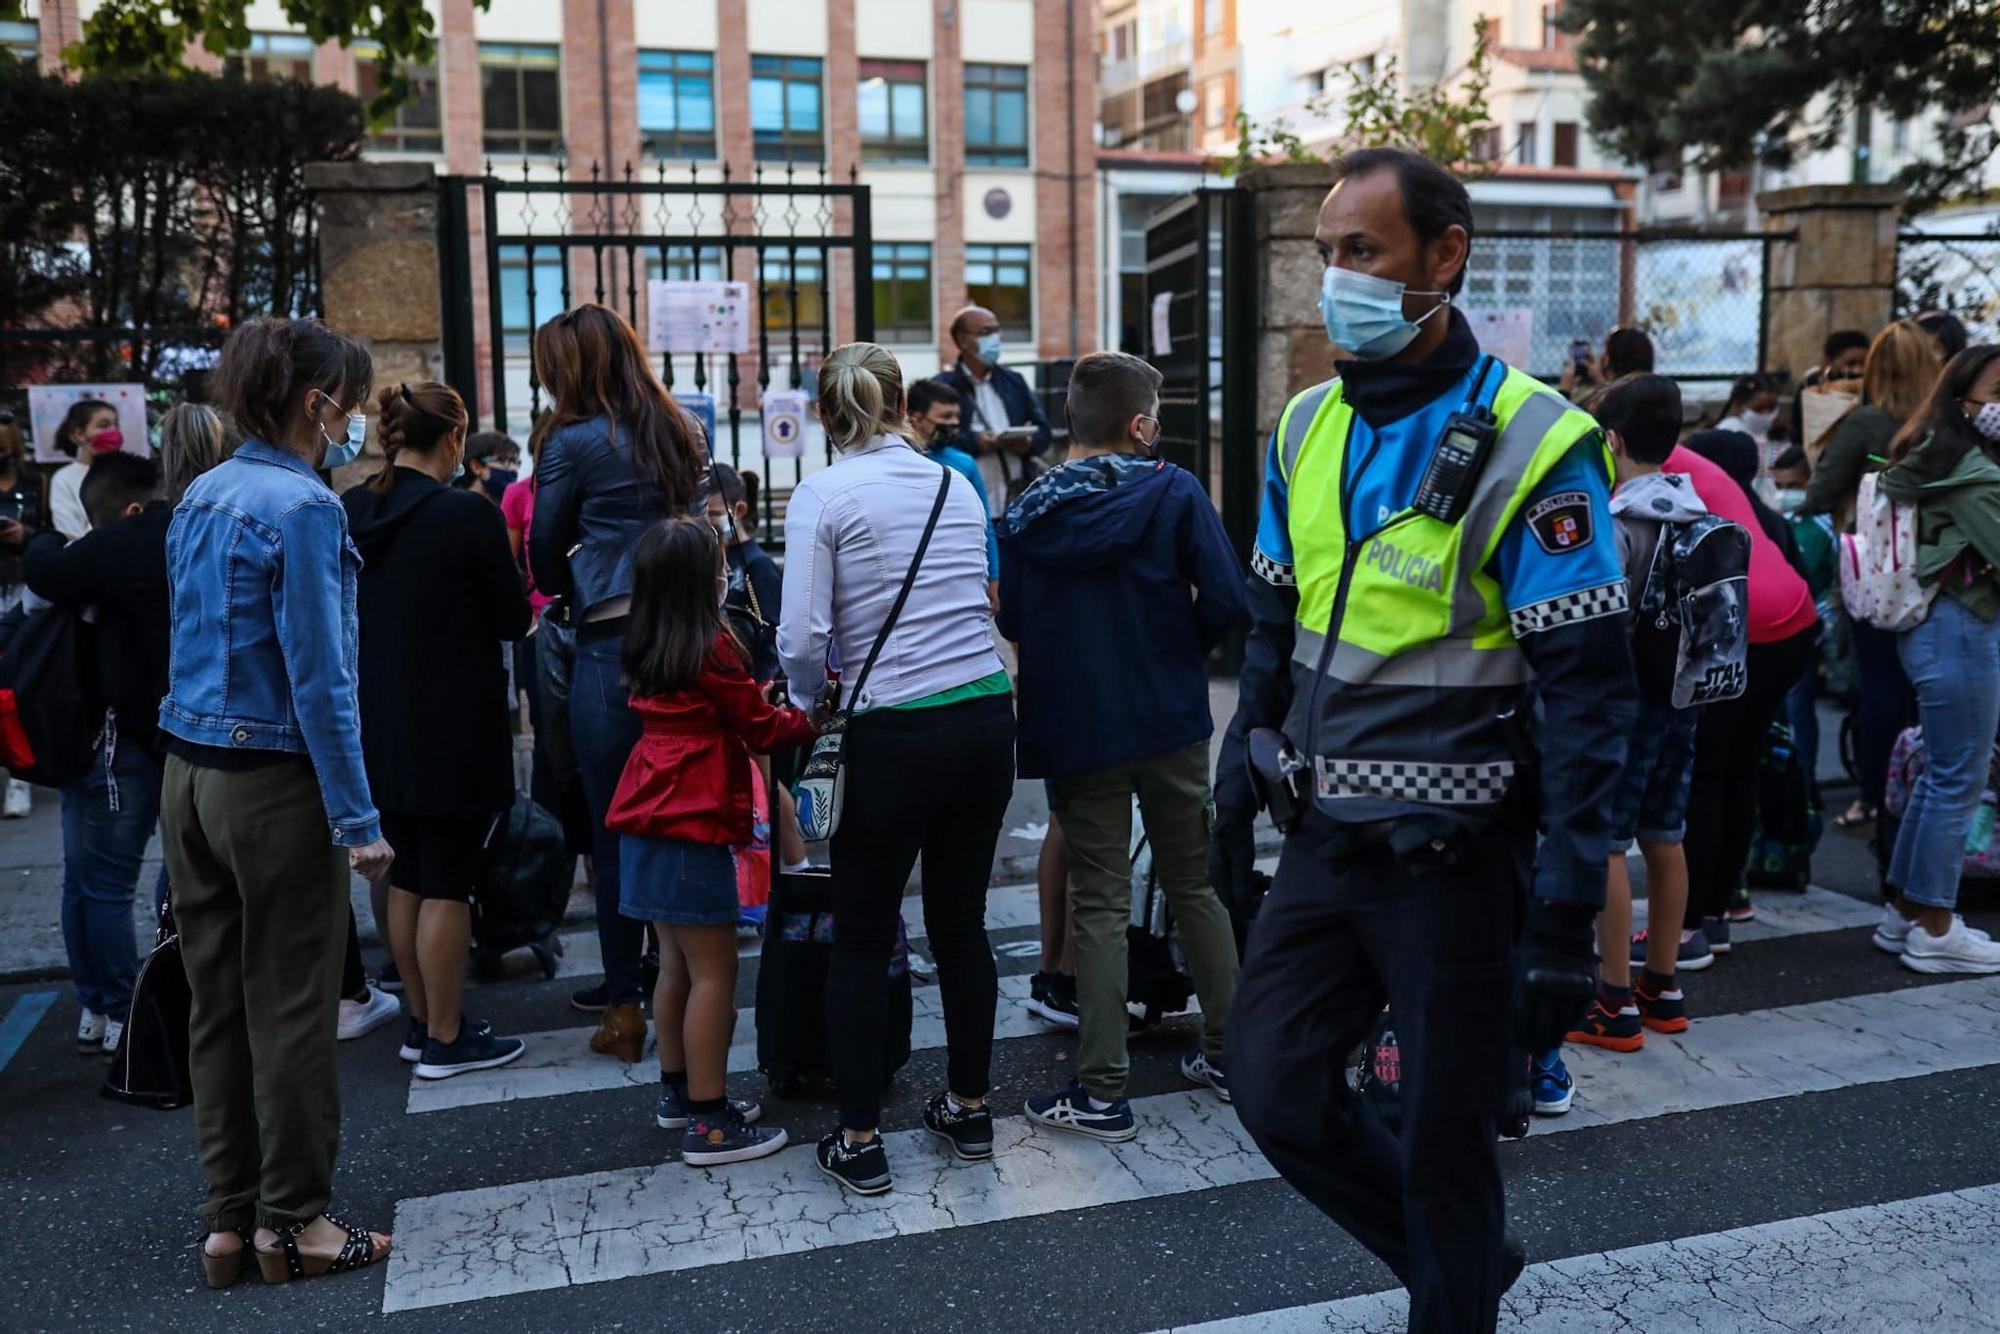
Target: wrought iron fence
1958	272
1701	295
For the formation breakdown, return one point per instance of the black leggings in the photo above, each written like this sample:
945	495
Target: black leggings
1886	706
1728	758
936	782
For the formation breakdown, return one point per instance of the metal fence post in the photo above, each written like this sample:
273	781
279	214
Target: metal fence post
461	360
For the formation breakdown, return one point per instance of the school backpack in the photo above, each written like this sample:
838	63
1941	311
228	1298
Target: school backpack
1878	562
49	702
1691	630
150	1067
1789	823
1906	766
522	888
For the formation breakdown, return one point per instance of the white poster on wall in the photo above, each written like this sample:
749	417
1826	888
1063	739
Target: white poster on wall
1506	335
697	317
1163	327
48	404
784	413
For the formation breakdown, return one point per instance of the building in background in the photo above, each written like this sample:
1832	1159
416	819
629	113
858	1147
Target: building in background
970	120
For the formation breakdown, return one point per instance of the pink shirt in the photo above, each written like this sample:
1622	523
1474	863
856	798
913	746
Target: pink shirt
1780	603
517	503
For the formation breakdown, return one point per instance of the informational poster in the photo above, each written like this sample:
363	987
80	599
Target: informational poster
1821	407
784	423
701	407
1163	332
697	317
48	404
1506	335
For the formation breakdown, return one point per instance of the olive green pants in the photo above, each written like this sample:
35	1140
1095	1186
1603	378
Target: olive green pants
1096	813
260	896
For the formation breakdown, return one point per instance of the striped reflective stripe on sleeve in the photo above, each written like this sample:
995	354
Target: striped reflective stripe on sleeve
1270	571
1569	609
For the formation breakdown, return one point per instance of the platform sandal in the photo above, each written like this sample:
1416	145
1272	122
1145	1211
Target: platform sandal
285	1262
223	1270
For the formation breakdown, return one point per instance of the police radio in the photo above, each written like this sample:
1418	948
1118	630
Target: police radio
1458	457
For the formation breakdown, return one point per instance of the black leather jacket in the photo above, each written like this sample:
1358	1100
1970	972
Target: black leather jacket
591	505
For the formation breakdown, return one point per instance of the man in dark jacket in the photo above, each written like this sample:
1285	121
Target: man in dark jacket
1132	582
1000	423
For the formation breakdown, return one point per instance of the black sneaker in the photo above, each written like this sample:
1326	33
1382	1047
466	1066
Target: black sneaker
969	1130
472	1051
861	1168
387	978
1052	998
416	1035
591	1000
725	1137
671	1113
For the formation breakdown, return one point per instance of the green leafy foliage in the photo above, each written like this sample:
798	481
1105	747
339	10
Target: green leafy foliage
1450	123
1728	80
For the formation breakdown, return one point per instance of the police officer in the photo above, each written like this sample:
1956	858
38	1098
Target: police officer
1435	589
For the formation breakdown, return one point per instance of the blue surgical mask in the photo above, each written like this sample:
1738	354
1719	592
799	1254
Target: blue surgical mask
456	472
341	452
1364	314
989	348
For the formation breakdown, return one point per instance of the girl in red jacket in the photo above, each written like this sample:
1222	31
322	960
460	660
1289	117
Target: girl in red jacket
683	801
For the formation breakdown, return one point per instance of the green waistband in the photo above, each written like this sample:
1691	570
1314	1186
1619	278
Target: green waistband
996	684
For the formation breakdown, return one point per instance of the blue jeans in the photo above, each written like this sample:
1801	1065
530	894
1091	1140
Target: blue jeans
605	732
102	852
1953	659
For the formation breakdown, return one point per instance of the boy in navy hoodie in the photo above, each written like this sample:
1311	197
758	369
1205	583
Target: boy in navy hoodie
1116	581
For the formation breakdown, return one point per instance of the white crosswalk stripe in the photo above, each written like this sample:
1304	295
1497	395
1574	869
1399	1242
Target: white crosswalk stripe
660	1217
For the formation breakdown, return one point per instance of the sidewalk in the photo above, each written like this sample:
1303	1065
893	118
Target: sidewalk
31	945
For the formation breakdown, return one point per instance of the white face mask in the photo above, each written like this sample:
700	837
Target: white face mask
1986	421
1759	423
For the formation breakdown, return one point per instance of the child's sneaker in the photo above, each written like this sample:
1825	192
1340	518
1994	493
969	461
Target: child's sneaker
1717	931
1195	1069
1599	1027
1069	1109
861	1168
471	1050
90	1032
969	1130
1052	997
1554	1089
1740	908
670	1112
1695	952
714	1138
1665	1011
417	1034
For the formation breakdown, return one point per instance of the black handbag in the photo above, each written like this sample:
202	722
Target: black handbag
150	1066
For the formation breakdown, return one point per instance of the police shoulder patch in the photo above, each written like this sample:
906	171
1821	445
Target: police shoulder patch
1561	523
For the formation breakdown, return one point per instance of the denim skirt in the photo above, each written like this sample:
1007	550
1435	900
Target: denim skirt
675	882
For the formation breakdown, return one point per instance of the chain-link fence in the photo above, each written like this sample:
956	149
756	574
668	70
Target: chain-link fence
1957	272
1700	295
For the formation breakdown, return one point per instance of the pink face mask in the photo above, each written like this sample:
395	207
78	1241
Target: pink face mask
106	442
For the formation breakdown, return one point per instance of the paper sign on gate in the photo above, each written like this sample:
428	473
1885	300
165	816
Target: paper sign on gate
697	317
1821	406
784	423
1505	335
48	404
1163	328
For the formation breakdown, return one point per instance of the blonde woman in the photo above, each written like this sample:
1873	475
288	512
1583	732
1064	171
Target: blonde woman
930	743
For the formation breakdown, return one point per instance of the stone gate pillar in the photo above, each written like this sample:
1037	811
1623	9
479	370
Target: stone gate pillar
1834	269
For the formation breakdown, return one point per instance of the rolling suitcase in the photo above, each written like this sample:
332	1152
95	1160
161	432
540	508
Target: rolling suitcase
522	890
792	1047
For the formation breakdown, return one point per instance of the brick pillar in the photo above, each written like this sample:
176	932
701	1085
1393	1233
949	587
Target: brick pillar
843	113
1292	351
378	255
948	148
61	25
334	64
732	96
465	155
1065	160
1834	269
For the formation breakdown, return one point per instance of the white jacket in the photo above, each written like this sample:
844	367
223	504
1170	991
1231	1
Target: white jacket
850	533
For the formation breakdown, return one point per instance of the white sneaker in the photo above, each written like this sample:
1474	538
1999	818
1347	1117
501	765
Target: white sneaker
1959	950
113	1030
20	802
90	1031
1893	933
360	1018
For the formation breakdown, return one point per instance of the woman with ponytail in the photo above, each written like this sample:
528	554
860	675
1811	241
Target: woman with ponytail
615	455
930	743
439	598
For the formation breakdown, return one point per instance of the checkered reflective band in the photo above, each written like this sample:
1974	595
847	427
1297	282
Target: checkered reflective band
1570	608
1414	780
1270	571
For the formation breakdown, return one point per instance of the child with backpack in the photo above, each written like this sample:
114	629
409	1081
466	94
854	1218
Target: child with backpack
683	802
1688	570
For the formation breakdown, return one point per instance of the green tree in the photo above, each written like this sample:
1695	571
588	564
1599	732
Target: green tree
1726	81
154	36
1450	123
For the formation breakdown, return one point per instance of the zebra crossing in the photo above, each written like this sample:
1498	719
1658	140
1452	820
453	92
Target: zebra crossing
527	1242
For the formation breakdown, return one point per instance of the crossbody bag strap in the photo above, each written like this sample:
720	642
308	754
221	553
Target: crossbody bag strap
909	580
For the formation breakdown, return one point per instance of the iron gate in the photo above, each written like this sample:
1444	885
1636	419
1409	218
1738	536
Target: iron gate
544	245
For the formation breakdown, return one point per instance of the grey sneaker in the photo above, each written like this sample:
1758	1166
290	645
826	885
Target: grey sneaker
671	1110
725	1137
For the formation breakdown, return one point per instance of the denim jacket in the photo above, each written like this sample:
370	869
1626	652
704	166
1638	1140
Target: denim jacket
591	505
265	636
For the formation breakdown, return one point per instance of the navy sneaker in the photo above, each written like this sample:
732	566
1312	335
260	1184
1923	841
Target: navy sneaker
416	1035
712	1139
861	1168
1694	953
1052	997
1554	1089
671	1110
969	1130
1195	1069
387	978
1069	1109
1717	931
474	1050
